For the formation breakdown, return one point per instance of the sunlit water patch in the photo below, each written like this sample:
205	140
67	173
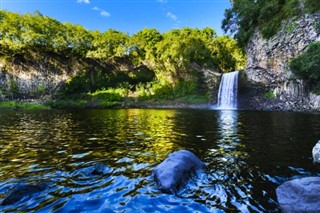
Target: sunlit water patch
101	160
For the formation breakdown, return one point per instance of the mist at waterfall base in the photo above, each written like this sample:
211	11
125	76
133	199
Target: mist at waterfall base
228	91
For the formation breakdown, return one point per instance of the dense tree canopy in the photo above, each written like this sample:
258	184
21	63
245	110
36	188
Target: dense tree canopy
165	59
266	15
173	49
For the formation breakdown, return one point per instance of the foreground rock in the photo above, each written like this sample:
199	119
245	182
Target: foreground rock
173	173
300	195
316	153
23	192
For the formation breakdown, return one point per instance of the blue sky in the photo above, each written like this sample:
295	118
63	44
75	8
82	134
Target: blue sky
128	16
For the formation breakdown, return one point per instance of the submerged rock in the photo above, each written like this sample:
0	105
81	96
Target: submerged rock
175	171
316	153
23	192
300	195
95	170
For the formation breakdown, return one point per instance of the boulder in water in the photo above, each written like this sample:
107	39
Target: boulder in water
316	153
299	195
23	192
175	171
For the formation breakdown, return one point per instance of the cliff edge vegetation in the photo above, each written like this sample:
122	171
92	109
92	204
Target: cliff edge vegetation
246	16
307	66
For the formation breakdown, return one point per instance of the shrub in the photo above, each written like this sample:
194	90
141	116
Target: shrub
270	95
65	104
307	66
108	95
21	105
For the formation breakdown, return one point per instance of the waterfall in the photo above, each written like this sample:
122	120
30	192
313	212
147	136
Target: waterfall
228	91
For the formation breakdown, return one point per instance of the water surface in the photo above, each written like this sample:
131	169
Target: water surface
248	154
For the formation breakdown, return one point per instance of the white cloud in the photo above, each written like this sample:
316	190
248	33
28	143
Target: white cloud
105	13
102	12
84	1
172	16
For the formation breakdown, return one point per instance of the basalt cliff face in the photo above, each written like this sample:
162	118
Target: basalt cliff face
35	76
273	86
40	76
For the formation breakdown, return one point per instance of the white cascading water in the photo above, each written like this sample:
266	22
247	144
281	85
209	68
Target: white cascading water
228	91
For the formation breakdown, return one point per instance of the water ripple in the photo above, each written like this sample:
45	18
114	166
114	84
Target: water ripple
102	160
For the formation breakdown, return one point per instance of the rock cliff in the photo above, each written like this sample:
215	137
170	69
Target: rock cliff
28	78
268	71
41	75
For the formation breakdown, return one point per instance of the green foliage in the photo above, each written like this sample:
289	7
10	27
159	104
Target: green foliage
110	44
180	47
155	91
312	5
41	89
184	88
21	33
227	55
81	104
65	104
110	95
92	80
13	88
143	45
291	26
307	65
158	91
77	85
246	15
141	74
270	95
170	51
20	105
152	64
316	25
194	99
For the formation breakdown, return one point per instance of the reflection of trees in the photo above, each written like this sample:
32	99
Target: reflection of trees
150	134
63	139
32	138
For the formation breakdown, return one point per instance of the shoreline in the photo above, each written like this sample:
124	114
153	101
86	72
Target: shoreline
42	105
70	104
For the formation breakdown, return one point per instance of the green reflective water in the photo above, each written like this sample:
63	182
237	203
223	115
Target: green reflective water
248	154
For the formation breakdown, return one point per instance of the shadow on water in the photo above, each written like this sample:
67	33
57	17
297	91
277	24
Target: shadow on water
101	160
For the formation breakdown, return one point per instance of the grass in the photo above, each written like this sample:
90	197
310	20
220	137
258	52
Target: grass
21	105
193	99
109	99
81	104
